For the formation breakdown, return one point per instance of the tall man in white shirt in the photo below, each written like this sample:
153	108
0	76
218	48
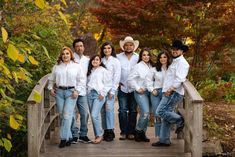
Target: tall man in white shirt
82	104
127	104
173	92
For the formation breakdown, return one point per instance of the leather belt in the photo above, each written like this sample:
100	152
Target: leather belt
65	88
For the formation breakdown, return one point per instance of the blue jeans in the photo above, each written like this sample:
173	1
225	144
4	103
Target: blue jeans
95	105
65	105
155	100
166	111
143	102
108	113
127	112
83	109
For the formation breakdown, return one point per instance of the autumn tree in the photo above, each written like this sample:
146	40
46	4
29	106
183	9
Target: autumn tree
205	25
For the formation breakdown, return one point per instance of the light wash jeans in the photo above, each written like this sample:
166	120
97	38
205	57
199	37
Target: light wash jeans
65	105
166	111
95	106
127	112
155	100
143	102
107	112
83	108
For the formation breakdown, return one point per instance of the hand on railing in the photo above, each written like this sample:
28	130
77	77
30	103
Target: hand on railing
52	92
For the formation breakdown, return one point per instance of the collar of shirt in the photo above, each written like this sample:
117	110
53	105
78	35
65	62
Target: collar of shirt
105	60
178	58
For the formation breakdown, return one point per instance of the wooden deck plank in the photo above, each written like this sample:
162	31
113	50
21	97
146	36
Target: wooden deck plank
117	148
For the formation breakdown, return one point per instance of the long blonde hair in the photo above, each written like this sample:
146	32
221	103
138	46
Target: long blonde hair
59	60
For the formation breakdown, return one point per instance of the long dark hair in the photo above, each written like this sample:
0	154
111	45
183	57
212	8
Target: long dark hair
158	64
102	49
141	53
90	66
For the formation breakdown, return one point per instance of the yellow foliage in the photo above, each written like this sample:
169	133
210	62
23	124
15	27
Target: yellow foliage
15	76
7	144
189	41
12	52
21	75
37	96
4	34
6	71
35	37
13	123
19	117
1	60
40	3
63	1
33	61
63	17
9	136
97	36
21	58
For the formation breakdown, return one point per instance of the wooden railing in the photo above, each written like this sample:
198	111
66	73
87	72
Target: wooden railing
43	120
192	112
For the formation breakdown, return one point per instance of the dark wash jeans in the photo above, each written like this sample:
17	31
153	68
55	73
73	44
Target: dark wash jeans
127	112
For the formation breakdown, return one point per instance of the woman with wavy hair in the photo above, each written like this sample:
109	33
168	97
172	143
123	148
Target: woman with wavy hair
67	80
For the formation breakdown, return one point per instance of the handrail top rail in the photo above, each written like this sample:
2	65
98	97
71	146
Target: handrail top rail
39	87
193	93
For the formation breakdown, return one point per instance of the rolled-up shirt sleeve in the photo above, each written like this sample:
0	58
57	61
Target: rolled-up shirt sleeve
181	74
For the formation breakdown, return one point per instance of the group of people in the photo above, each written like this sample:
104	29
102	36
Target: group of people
92	84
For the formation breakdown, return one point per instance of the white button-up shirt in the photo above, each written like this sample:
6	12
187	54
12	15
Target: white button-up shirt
176	74
155	79
83	61
114	67
99	80
126	66
68	75
136	78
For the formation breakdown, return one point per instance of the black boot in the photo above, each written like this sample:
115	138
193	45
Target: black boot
143	137
138	136
112	133
109	136
105	134
62	144
68	143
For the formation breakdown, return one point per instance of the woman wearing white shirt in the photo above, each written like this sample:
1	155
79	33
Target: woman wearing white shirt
98	86
70	81
112	64
154	82
136	81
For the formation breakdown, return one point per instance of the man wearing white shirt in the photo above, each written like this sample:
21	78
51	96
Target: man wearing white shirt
82	104
173	92
127	104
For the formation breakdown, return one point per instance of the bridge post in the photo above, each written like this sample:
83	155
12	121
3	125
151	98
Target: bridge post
193	120
33	129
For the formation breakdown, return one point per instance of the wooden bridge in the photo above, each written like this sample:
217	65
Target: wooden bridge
43	135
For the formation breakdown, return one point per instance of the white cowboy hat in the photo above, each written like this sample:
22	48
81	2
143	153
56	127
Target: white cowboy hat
129	39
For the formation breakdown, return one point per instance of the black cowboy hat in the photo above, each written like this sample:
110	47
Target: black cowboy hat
179	45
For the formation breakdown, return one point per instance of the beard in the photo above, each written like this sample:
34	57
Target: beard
128	52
